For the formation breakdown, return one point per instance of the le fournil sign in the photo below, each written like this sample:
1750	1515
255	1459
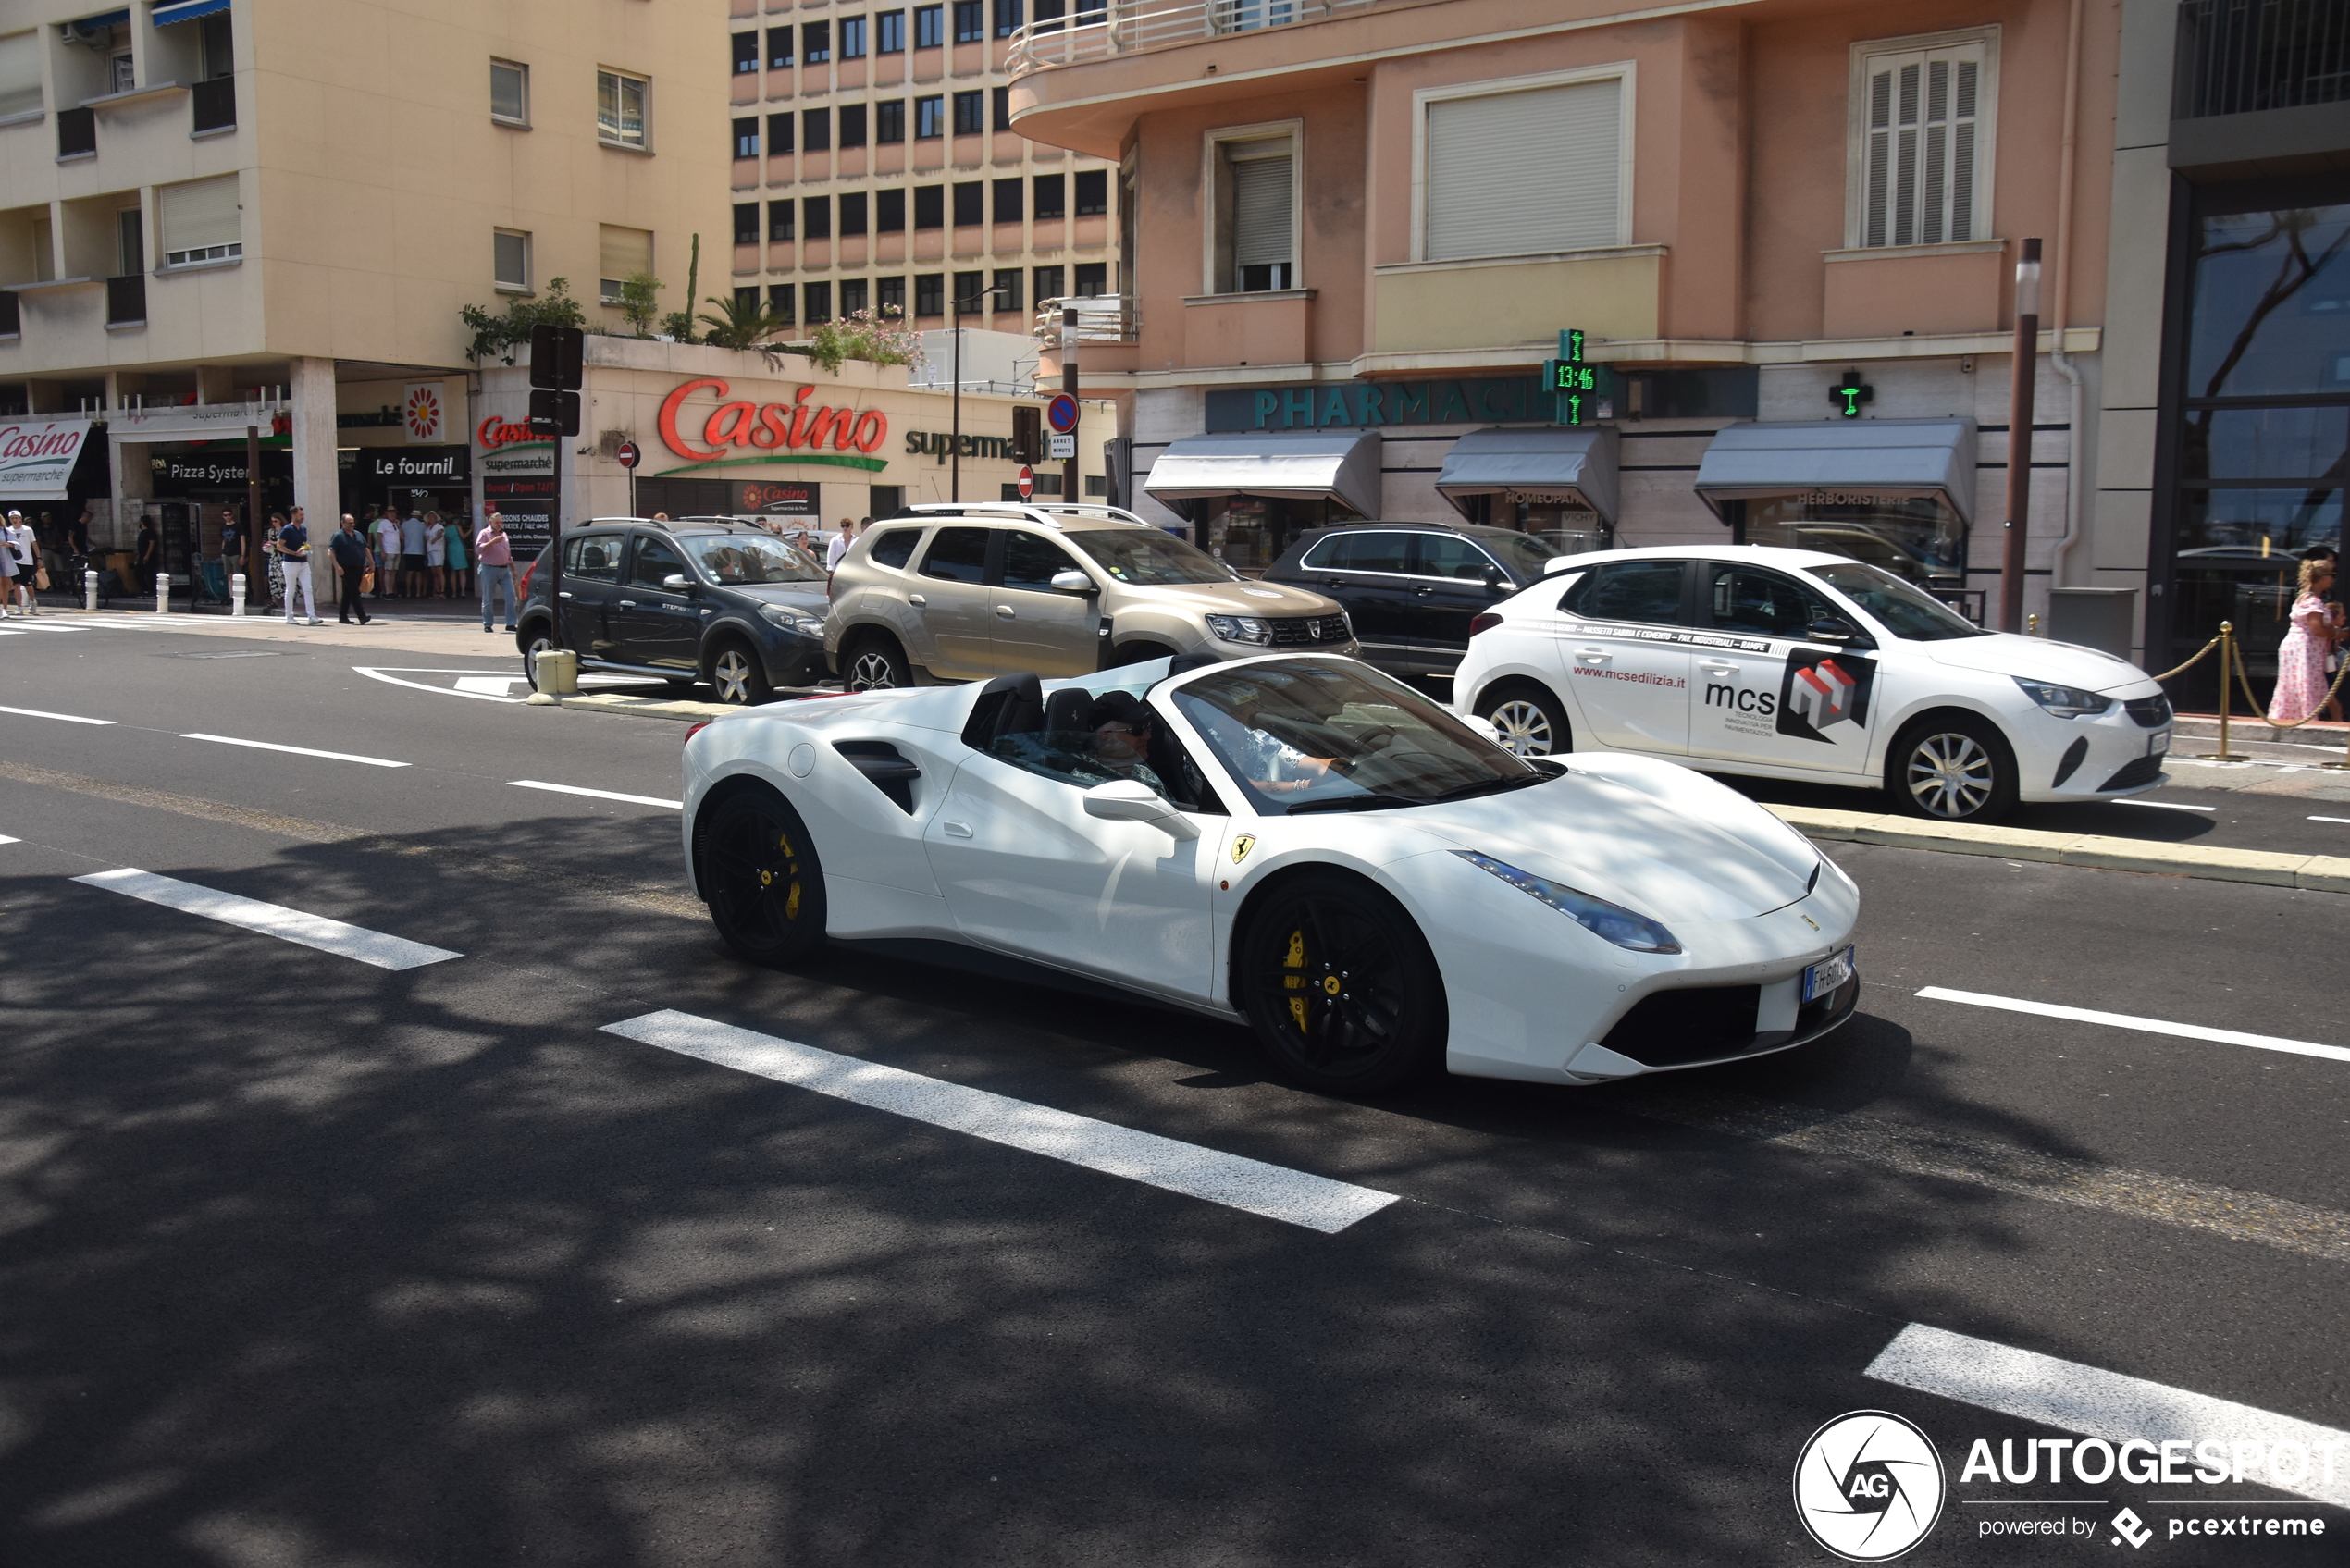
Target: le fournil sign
1370	404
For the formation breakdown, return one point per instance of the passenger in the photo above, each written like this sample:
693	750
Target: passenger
1121	724
1271	764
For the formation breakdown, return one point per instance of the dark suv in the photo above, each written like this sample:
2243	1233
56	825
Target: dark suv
723	602
1411	588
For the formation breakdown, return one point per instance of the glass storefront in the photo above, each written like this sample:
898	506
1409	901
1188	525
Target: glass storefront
1919	538
1249	533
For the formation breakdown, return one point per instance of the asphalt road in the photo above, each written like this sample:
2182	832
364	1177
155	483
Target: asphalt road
308	1261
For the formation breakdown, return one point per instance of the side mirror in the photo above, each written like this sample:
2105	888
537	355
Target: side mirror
1130	800
677	585
1494	581
1072	582
1832	628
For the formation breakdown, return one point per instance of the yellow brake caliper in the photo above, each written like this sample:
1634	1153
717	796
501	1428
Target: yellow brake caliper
791	863
1295	960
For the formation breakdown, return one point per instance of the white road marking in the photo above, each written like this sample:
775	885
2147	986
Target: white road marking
1292	1196
2166	806
297	751
6	839
598	794
2096	1404
2150	1026
66	718
273	920
390	676
2330	819
488	685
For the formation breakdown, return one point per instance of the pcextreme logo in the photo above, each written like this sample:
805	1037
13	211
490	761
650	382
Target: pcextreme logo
1869	1486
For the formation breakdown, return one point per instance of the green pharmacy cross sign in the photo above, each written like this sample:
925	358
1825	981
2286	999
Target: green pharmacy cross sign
1849	394
1584	393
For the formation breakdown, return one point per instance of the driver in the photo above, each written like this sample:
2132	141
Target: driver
1121	726
1271	764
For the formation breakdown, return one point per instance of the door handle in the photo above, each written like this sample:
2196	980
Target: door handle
565	594
916	599
1716	667
1593	655
627	604
1424	588
1006	610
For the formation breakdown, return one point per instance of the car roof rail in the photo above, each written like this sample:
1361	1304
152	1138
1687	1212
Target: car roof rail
1049	513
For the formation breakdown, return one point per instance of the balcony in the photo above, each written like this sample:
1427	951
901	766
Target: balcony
1101	318
127	300
1124	29
77	133
2245	56
213	106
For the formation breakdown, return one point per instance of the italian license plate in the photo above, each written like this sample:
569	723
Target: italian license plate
1827	975
2159	745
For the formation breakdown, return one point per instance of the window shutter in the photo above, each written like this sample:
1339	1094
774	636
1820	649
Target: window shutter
20	73
1261	204
1919	171
1525	173
199	216
624	253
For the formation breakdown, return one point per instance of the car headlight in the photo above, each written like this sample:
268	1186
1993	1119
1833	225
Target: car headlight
2065	703
791	620
1599	917
1242	628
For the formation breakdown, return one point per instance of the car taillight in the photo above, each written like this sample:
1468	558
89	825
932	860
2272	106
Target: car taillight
695	731
1483	622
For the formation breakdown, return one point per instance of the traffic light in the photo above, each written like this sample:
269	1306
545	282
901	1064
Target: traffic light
558	356
555	413
1028	435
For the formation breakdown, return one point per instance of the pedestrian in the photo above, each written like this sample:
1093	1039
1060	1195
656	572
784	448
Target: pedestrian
233	559
81	532
293	551
838	547
386	537
454	541
411	556
436	556
24	549
8	584
495	553
147	557
352	558
2306	651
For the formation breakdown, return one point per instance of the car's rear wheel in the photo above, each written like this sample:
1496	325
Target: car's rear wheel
760	877
738	676
1952	768
1528	717
533	639
1341	987
875	663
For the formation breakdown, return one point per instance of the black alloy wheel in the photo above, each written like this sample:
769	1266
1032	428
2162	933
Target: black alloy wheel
1952	768
533	640
760	877
1341	987
739	676
874	663
1529	719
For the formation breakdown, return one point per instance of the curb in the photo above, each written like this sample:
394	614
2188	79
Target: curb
652	708
2317	873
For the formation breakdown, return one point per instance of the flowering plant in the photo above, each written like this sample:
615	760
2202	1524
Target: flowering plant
879	337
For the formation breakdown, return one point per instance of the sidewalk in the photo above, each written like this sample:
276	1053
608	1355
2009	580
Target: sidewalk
459	635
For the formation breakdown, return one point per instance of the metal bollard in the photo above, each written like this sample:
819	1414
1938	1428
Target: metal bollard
163	593
237	594
89	588
2227	667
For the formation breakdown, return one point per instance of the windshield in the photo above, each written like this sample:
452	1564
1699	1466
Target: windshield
1522	553
1148	556
1907	612
1309	734
733	560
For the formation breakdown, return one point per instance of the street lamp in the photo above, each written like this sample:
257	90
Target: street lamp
955	458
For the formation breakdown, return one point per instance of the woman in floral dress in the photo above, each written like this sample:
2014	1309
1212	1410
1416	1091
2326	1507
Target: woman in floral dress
2301	657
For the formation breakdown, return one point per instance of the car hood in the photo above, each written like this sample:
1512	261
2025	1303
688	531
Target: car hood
1254	597
1664	847
2036	658
814	598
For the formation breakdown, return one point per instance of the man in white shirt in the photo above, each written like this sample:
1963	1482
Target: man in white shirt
838	546
387	544
21	551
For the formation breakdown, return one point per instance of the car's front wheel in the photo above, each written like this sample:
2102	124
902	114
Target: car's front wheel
1341	987
738	676
875	663
760	877
1952	768
533	639
1528	719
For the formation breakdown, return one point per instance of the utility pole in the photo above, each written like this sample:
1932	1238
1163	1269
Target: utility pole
955	452
256	576
2022	362
1072	490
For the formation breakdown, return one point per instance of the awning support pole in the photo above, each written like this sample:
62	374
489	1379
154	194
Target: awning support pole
2022	363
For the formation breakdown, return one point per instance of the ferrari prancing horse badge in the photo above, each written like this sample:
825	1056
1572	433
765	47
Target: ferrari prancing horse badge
1242	846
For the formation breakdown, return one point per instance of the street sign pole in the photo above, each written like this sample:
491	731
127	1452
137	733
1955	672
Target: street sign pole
1071	493
557	372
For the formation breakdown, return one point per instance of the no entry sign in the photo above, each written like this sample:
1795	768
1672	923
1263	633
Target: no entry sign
1027	481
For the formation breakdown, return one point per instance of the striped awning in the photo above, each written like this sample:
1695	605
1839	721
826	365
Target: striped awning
186	10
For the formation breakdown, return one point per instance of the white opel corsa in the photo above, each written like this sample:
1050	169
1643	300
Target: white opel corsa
1296	841
1793	664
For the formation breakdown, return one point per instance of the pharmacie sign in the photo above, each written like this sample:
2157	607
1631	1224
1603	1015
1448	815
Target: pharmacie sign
1372	404
702	422
37	456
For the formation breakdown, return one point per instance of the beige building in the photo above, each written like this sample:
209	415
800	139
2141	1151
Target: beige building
224	215
875	166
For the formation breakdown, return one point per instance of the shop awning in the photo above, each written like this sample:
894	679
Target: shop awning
104	18
186	10
1304	464
1843	461
1555	467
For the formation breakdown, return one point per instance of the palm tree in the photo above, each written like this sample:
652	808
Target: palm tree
743	321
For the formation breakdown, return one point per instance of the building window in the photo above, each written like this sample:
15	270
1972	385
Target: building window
852	213
508	93
971	292
1052	196
510	261
929	118
930	29
971	21
619	109
1535	169
816	217
781	298
852	38
815	42
889	294
779	220
778	48
1048	284
889	32
852	125
970	113
747	298
819	300
930	293
200	221
1008	194
1008	281
852	295
1092	192
747	137
746	53
1921	114
621	254
1001	119
1254	242
1007	17
930	207
889	211
889	122
1093	277
746	223
20	74
970	204
815	130
779	134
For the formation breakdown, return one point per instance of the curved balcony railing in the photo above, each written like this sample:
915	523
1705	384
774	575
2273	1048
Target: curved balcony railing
1101	318
1098	32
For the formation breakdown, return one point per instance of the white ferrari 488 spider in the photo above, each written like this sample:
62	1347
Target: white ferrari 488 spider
1371	883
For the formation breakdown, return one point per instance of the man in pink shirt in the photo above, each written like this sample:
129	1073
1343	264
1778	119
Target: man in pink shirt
495	553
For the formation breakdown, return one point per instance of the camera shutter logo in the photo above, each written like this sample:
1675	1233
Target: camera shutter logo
1869	1486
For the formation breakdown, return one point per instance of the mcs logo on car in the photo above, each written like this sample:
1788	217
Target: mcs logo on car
1745	701
1821	689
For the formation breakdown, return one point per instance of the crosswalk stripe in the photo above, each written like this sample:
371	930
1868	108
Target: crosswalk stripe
272	920
598	793
2096	1404
2149	1026
1295	1197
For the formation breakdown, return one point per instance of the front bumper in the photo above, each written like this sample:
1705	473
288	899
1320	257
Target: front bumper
2101	759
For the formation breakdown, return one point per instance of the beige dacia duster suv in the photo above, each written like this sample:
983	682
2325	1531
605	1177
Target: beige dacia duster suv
965	591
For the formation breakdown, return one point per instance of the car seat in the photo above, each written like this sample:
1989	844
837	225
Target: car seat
1008	704
1068	710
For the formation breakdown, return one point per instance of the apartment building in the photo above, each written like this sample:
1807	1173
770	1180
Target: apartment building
875	167
236	226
